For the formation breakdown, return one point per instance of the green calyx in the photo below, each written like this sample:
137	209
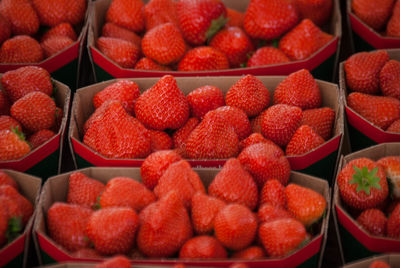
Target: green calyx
14	228
19	133
365	179
97	205
215	26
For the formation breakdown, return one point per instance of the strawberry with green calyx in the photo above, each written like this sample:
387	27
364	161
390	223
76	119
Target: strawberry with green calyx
12	224
25	207
13	145
203	247
374	221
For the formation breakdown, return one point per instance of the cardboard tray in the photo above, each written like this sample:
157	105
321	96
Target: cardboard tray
15	254
55	189
323	63
320	162
392	259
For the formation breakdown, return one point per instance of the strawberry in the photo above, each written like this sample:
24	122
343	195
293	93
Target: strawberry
21	15
391	165
203	247
236	117
250	253
40	137
12	213
181	178
203	58
282	236
58	11
7	122
373	221
113	230
318	11
269	19
35	111
394	127
204	99
378	110
181	135
266	56
268	212
200	19
299	89
12	145
113	30
120	261
157	12
126	13
62	29
83	190
265	161
235	18
280	122
320	120
122	52
126	192
164	227
379	264
148	64
362	184
253	139
374	14
362	70
98	114
303	40
273	192
235	226
5	29
53	45
393	25
17	83
87	253
393	223
248	94
303	141
160	140
124	91
389	80
4	103
21	49
23	203
66	225
6	179
163	105
233	184
154	166
203	211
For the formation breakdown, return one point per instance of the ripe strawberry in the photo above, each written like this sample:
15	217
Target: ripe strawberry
268	212
250	253
273	192
126	13
394	127
62	29
265	161
21	15
23	203
378	110
148	64
321	120
53	45
362	70
303	141
318	11
12	145
7	122
98	114
40	137
87	253
391	166
83	190
14	215
393	223
299	89
389	80
235	18
248	94
181	135
6	179
203	247
112	230
236	117
266	56
119	261
303	40
280	122
66	225
233	184
122	52
393	25
113	30
269	19
164	227
124	91
281	237
379	264
203	211
362	184
373	221
374	14
253	139
4	103
126	192
163	105
160	140
21	49
235	226
203	58
204	99
5	29
157	12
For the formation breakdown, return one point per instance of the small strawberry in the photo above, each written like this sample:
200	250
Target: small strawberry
160	140
122	52
268	212
83	190
250	253
62	29
303	141
22	16
5	29
113	30
204	99
4	103
389	79
12	145
203	58
266	56
393	25
127	13
157	12
253	139
40	137
374	14
373	221
391	165
203	211
119	261
318	11
21	49
148	64
273	192
6	179
8	122
235	18
53	45
181	135
203	247
321	120
393	223
394	127
58	11
379	264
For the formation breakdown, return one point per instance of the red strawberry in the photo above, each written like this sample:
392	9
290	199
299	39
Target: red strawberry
389	79
62	29
318	11
299	89
4	103
98	114
273	192
393	223
280	122
321	120
126	192
203	211
374	14
394	127
122	52
281	237
6	179
12	145
248	94
236	117
235	226
83	190
269	19
124	91
21	49
119	261
5	29
181	135
266	56
126	13
113	30
268	212
391	165
373	221
203	247
88	253
53	45
113	230
163	105
22	16
393	25
40	137
379	110
203	58
23	203
148	64
164	227
7	122
235	18
379	264
160	140
362	184
157	12
66	224
253	139
362	70
12	213
204	99
250	253
303	141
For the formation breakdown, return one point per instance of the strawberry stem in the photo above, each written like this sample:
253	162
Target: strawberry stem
19	133
365	179
215	26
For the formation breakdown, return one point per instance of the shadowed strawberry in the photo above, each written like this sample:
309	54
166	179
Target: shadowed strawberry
318	11
268	212
83	190
119	261
53	45
12	145
203	58
253	139
6	179
393	25
40	137
122	52
273	192
62	29
266	56
113	30
235	18
303	141
148	64
58	11
160	140
21	15
393	223
204	99
373	13
389	79
127	14
21	49
203	211
157	12
373	221
5	29
391	166
203	247
250	253
9	123
4	103
321	120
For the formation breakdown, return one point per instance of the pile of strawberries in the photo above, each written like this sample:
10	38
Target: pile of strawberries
364	189
26	109
172	214
382	16
33	30
374	81
193	35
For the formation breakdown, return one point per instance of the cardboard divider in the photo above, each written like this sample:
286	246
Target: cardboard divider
392	259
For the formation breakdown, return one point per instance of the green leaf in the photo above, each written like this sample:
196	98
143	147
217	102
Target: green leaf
14	228
365	179
215	26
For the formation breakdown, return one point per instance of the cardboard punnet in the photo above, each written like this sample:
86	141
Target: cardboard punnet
359	132
322	63
320	162
15	253
55	189
364	38
392	259
354	242
45	161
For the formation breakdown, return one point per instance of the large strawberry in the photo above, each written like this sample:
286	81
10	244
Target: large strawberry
21	49
303	141
273	192
62	29
22	16
203	211
203	247
389	79
6	179
122	52
319	11
393	223
373	13
57	11
126	13
203	58
8	122
266	56
113	30
40	137
268	212
321	120
204	99
12	145
373	221
54	44
157	12
83	190
391	165
393	25
250	253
